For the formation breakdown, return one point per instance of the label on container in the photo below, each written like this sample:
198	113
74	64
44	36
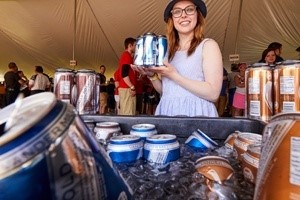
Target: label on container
288	106
65	87
287	85
295	161
254	108
254	85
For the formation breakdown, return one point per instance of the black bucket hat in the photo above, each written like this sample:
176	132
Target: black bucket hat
199	3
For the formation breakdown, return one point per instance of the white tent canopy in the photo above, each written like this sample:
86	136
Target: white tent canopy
41	32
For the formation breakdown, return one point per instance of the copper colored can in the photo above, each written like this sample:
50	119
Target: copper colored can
250	162
259	90
86	98
64	85
278	175
287	87
241	143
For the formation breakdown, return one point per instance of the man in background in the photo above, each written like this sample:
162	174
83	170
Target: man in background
103	92
127	92
298	50
39	82
13	83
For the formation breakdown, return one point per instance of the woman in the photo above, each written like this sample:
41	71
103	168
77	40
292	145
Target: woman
268	56
239	95
192	77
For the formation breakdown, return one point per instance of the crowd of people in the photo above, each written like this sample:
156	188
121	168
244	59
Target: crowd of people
16	82
192	82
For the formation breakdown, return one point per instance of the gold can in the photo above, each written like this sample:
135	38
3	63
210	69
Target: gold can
278	174
259	92
287	88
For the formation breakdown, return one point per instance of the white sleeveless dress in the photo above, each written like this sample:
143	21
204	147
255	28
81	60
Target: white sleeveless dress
177	101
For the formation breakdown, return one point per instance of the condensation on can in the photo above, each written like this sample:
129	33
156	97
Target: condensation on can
139	51
287	87
150	49
162	46
63	84
259	90
86	98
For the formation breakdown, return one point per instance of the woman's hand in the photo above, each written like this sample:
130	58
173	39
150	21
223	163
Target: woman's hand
142	70
167	70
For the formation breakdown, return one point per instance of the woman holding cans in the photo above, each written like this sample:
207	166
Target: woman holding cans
191	78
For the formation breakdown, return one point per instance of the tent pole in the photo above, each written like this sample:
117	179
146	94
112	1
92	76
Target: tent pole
238	26
74	30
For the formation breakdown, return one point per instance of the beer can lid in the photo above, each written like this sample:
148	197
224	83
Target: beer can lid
32	110
143	127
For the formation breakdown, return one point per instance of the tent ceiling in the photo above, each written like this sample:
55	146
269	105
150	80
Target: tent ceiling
40	32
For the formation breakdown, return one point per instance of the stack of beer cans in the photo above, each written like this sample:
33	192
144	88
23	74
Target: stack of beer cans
150	50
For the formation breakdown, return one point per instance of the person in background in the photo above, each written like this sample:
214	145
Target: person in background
278	50
140	82
127	83
240	92
117	77
268	56
13	82
24	88
39	82
231	88
298	50
222	100
110	88
103	92
191	78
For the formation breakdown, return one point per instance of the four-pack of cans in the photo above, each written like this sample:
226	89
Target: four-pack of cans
80	88
150	50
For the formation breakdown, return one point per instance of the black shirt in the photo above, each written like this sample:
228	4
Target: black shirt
102	83
12	80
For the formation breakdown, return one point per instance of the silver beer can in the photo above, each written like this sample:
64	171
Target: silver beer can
143	130
125	148
139	51
161	149
150	49
47	155
162	46
86	88
64	85
105	130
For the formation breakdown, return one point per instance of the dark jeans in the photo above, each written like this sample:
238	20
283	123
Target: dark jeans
11	96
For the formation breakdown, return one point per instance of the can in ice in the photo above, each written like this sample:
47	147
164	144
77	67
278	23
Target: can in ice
105	130
150	49
143	130
86	87
47	154
139	51
161	149
125	148
64	85
162	46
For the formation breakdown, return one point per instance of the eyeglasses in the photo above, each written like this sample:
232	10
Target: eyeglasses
189	10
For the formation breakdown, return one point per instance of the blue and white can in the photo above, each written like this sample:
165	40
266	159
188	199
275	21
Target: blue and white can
150	49
125	148
161	149
46	154
200	141
143	130
139	51
105	130
162	46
